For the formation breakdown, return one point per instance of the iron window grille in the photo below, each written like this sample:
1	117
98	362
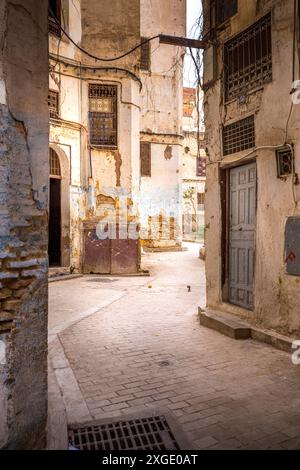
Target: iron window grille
248	59
285	162
201	166
103	115
239	136
54	14
53	104
145	61
145	152
225	9
55	170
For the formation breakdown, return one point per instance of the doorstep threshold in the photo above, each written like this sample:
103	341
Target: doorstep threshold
236	328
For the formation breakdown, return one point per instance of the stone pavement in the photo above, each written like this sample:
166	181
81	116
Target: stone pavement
130	345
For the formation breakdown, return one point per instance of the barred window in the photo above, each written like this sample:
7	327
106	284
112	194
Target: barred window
239	136
145	55
145	158
55	170
103	115
225	9
54	14
201	166
248	59
53	104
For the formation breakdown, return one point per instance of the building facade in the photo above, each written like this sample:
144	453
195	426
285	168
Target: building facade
115	133
253	158
193	167
161	125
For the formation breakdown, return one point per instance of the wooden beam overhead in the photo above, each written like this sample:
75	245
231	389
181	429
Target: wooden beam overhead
182	42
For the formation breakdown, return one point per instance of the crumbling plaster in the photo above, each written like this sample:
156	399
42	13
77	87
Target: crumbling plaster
24	169
277	295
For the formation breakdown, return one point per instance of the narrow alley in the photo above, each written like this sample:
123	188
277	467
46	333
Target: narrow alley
123	346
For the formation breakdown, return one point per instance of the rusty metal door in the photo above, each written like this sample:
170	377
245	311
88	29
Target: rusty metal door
242	229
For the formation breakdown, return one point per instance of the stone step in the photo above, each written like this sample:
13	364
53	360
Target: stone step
236	328
225	324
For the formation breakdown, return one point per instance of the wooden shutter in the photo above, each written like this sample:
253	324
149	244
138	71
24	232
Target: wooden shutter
145	55
145	159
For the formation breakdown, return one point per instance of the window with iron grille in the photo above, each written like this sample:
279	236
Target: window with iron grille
248	59
285	162
55	170
201	166
239	136
53	104
145	158
103	115
54	16
225	9
145	55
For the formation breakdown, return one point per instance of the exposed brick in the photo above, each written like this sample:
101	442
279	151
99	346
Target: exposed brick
22	264
5	293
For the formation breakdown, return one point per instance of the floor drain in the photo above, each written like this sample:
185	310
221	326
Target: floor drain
152	433
164	364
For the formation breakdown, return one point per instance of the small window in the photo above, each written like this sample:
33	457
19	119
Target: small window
200	200
54	17
248	59
225	9
201	166
55	171
53	104
239	136
103	115
145	159
145	55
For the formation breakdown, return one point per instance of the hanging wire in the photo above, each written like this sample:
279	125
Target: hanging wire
92	56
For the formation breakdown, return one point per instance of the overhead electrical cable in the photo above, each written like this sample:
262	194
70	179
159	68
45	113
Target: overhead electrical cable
92	56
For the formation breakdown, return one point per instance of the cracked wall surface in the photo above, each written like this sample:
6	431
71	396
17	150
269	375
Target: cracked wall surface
276	294
23	228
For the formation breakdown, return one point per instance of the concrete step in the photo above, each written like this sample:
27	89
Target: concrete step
235	328
225	324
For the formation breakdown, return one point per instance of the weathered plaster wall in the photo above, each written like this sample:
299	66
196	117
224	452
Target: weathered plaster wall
191	182
23	229
161	118
98	174
69	137
105	32
277	295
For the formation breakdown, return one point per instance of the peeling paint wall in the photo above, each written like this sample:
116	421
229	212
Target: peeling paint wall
24	172
192	185
277	295
95	172
161	122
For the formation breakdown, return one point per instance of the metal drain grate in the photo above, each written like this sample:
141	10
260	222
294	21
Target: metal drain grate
152	433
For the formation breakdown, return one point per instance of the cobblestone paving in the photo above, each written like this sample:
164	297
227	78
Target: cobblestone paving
146	350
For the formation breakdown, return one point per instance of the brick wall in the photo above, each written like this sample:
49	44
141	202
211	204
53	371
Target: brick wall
23	227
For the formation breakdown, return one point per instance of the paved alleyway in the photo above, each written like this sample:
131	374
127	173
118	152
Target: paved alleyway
135	343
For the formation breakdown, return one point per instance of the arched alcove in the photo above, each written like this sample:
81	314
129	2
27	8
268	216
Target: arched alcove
59	207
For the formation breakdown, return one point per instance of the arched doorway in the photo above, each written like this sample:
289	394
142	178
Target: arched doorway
54	246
